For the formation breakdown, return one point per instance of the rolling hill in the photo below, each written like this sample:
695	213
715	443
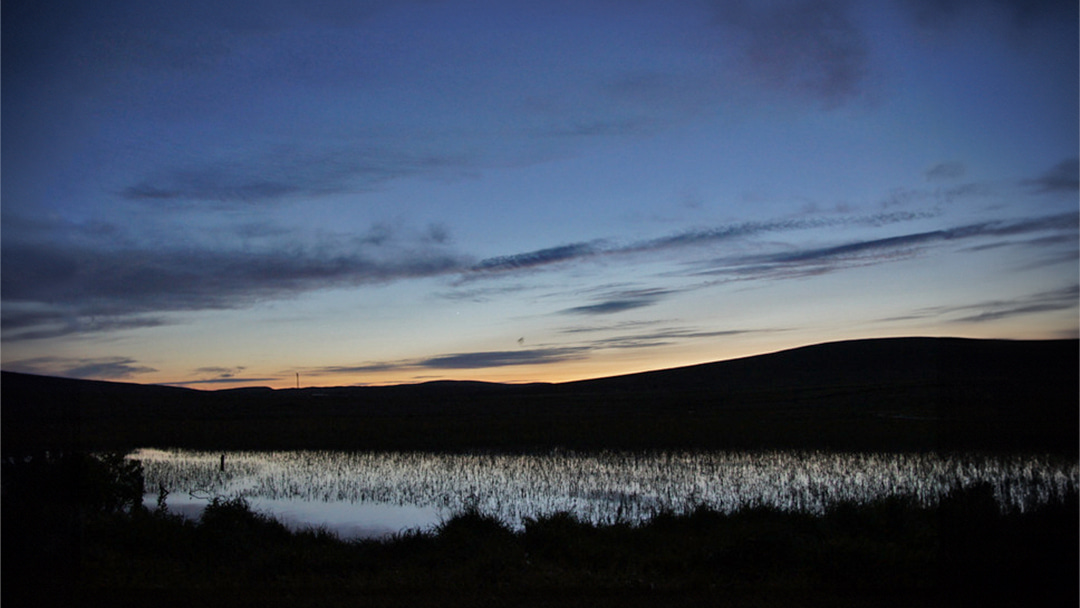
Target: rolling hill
878	394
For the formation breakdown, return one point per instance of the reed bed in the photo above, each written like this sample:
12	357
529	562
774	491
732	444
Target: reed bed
608	487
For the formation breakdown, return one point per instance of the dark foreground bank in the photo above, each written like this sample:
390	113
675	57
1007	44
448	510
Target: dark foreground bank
74	534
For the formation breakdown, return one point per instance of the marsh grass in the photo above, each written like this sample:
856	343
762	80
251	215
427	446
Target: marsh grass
605	487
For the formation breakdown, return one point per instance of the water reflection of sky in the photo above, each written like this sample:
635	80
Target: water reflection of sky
374	494
343	518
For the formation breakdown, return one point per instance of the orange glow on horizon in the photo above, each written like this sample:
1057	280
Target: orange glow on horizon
587	368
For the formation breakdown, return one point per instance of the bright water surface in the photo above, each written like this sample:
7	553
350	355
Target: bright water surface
370	494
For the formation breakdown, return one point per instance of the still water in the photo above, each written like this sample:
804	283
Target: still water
371	494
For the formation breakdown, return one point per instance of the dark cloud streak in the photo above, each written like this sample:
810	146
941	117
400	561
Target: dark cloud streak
664	337
1064	177
940	15
65	279
58	285
225	380
946	171
811	47
689	238
283	175
89	368
804	262
548	355
610	306
621	301
459	361
1065	298
540	257
486	359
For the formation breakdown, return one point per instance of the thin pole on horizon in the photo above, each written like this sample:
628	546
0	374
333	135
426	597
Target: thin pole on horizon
297	379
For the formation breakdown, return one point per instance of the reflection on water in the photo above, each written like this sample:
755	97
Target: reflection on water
373	493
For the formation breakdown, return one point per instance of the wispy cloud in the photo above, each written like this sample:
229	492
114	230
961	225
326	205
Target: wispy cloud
62	279
137	280
811	47
938	15
818	260
1064	298
611	327
620	301
540	257
87	368
746	229
363	368
73	284
484	293
626	335
283	175
1064	177
222	373
503	358
35	320
463	361
55	324
664	337
611	306
228	380
946	171
683	239
853	250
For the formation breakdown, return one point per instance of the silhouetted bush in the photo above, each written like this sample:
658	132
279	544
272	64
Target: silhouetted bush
88	483
230	530
476	546
50	501
472	524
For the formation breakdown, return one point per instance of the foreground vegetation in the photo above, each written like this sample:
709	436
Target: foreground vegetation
75	533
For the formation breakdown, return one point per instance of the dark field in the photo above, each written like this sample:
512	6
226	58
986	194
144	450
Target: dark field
81	540
869	395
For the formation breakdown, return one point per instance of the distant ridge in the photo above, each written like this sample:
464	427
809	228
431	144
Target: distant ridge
871	361
889	393
829	362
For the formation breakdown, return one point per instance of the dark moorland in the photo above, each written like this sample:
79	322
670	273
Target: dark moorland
75	532
878	395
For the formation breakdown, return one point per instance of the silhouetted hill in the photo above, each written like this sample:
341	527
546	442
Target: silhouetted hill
898	393
885	361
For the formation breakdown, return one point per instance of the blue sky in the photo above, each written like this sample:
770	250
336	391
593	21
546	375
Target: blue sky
222	194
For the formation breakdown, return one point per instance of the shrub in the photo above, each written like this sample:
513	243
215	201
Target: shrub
474	526
86	483
234	516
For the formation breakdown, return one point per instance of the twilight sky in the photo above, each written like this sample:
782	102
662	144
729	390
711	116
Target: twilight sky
220	193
